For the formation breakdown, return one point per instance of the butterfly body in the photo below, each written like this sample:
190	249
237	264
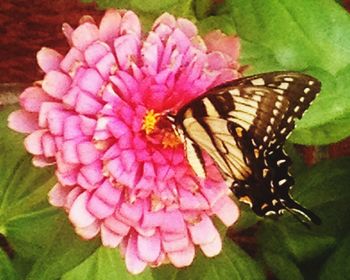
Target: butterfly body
243	125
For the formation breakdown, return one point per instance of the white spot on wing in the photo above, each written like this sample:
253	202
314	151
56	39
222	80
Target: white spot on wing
258	82
288	79
281	182
283	85
296	109
278	90
306	90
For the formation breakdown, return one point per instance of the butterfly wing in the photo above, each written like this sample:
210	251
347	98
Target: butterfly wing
242	125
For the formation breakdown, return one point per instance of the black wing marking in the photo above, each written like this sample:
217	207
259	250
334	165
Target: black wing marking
243	125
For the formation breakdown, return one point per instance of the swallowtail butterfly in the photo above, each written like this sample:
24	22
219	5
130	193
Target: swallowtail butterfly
243	125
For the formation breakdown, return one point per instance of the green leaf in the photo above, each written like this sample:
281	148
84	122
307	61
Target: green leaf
224	23
285	245
23	191
23	188
328	120
202	8
301	35
104	264
152	6
30	234
231	263
325	189
65	252
338	264
6	269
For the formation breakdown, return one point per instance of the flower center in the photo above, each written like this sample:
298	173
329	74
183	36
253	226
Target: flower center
170	140
158	128
149	121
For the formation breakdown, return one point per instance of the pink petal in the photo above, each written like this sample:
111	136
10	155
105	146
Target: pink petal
182	258
173	222
72	196
71	128
95	52
70	98
62	165
126	48
130	24
213	248
45	109
69	151
32	98
117	226
197	229
67	179
33	142
85	35
117	128
108	193
92	172
42	161
191	201
88	232
87	104
173	245
133	263
91	81
109	238
87	125
187	27
48	59
152	219
106	65
99	208
78	214
58	194
218	41
73	58
132	212
49	145
226	210
22	121
166	19
149	247
56	84
56	120
110	25
87	153
67	32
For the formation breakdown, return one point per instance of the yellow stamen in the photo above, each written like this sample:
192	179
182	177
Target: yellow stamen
149	121
170	140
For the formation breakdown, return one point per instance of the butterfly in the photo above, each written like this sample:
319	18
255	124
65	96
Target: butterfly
242	125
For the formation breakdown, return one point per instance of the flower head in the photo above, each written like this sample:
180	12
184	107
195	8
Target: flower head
98	115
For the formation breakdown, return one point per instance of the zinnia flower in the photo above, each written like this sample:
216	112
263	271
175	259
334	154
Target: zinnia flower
98	115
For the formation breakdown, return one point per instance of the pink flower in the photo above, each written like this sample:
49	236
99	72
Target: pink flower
98	115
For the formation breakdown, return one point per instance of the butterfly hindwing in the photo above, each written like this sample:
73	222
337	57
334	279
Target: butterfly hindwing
242	125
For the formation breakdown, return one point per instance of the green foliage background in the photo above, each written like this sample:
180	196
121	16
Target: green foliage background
312	36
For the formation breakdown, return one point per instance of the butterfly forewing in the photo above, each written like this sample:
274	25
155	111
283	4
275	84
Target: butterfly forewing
242	125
